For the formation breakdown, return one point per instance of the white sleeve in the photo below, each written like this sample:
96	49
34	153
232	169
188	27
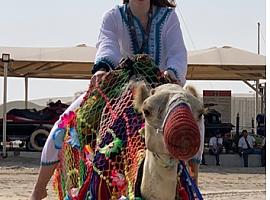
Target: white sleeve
176	50
253	140
263	141
54	142
108	48
240	143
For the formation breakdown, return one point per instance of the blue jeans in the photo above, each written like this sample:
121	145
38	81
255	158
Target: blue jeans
263	157
216	153
245	153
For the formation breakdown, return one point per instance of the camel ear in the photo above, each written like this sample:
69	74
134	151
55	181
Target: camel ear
141	92
205	111
191	90
152	91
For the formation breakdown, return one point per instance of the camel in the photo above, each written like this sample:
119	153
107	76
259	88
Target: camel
131	137
160	167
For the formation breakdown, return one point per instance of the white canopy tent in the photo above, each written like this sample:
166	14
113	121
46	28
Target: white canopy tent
224	63
70	63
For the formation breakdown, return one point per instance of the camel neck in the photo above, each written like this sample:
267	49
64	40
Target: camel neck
157	177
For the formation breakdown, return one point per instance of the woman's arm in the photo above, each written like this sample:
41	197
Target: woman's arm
49	156
108	48
44	176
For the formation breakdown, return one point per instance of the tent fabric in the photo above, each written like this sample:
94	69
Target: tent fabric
225	63
70	63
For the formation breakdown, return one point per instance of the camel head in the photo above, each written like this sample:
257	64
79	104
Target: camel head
171	114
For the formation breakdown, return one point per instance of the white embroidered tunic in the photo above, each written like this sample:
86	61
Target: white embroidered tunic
165	42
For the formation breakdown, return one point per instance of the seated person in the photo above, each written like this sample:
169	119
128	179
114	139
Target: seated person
227	142
245	146
215	146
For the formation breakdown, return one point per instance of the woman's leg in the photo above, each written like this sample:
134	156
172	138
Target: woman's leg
194	170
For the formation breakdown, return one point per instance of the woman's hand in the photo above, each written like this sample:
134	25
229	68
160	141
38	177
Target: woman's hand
170	76
97	77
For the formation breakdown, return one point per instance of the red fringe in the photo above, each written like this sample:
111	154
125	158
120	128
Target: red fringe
183	194
85	187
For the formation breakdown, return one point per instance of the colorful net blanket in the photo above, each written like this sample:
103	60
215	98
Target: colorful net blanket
103	145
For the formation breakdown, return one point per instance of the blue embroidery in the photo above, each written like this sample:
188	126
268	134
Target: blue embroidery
139	32
159	27
58	137
49	163
154	41
133	45
174	71
74	140
106	60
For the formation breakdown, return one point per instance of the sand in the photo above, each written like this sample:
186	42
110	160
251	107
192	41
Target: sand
18	175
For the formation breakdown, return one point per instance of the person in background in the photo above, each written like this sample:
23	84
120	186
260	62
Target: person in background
227	142
203	160
215	146
245	146
263	153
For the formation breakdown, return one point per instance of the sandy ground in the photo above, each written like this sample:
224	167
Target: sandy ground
18	175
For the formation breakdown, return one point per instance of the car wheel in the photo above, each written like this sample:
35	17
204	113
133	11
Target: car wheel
28	146
38	139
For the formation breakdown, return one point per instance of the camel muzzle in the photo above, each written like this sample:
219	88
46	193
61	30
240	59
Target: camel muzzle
181	133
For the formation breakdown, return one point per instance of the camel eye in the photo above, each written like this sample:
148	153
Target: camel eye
146	112
200	115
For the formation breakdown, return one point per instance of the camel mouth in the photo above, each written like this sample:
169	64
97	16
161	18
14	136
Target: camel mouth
181	133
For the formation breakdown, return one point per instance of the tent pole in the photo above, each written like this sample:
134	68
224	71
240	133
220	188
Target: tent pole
252	87
257	92
264	99
256	104
5	110
259	26
26	92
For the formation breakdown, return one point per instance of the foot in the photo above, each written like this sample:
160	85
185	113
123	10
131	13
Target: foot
218	164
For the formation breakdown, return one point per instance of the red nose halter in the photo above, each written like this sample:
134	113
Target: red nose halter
181	133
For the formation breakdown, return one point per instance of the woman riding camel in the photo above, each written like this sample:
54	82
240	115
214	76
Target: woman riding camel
136	27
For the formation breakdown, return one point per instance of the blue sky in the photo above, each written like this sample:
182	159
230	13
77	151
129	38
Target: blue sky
62	23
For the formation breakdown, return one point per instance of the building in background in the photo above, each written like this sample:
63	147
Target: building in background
244	104
229	105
